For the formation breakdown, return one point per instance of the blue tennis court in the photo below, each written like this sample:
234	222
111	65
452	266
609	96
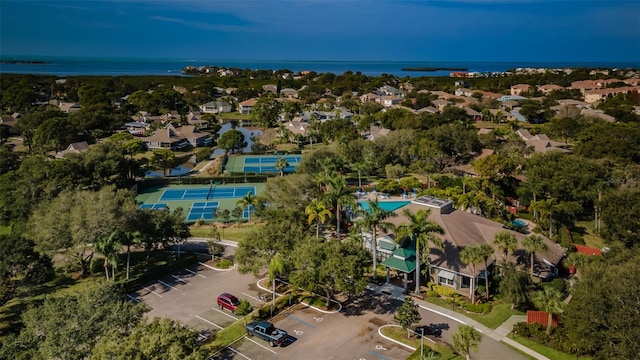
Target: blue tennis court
291	159
268	168
202	210
157	206
206	193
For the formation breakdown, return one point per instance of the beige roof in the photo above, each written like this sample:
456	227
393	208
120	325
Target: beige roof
249	102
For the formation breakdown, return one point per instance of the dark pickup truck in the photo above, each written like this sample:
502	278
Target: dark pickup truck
266	331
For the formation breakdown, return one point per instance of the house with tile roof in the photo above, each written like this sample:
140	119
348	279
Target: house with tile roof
519	89
462	229
541	142
546	89
246	106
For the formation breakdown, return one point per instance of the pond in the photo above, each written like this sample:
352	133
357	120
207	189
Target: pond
176	171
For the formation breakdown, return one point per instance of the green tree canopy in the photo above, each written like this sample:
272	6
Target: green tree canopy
232	140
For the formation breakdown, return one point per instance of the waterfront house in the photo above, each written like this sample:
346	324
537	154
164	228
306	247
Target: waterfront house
246	106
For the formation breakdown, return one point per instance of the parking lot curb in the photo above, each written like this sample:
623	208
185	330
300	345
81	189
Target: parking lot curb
302	302
393	340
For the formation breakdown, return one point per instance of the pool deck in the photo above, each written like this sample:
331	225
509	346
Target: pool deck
381	198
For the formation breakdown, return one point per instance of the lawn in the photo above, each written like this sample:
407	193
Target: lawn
233	232
590	237
500	312
546	351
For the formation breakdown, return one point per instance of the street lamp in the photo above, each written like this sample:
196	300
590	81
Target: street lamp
421	342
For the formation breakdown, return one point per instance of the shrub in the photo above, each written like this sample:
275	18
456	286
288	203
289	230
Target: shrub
432	293
484	308
444	291
224	264
522	329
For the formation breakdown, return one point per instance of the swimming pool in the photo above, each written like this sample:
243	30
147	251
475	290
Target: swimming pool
387	205
519	223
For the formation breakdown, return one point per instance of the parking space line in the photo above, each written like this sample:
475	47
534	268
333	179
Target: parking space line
151	291
222	312
239	353
264	347
209	266
133	298
210	323
165	284
179	279
299	320
378	355
254	298
195	273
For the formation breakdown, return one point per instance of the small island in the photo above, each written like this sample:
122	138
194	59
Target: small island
24	62
418	68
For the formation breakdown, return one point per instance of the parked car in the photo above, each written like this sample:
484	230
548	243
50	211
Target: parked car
266	331
228	301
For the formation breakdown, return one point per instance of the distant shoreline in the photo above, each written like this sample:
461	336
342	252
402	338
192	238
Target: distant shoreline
25	62
434	69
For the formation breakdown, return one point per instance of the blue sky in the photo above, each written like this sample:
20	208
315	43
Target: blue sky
356	30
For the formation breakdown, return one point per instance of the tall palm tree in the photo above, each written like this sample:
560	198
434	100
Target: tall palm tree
277	267
109	246
514	284
130	239
338	195
472	255
549	300
247	201
486	251
422	231
281	164
317	210
373	220
533	244
505	241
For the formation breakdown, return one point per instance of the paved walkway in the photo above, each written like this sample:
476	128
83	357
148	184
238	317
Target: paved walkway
499	334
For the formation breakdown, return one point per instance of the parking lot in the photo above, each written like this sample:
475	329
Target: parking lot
189	296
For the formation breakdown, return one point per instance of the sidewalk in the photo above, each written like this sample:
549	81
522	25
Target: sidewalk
499	334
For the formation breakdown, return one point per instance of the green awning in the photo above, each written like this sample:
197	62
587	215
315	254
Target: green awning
402	260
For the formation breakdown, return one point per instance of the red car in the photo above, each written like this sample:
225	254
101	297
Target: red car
228	301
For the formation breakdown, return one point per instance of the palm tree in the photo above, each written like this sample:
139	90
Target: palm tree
532	244
281	164
109	247
130	239
373	220
514	284
486	251
277	267
505	241
422	231
338	194
317	210
466	339
247	201
549	300
472	255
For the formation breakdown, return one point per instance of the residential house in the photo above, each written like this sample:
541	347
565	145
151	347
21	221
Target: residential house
215	107
74	148
390	91
597	114
195	118
516	98
541	142
440	104
289	93
519	89
137	128
376	132
270	88
370	97
597	95
462	229
246	106
69	107
389	100
472	114
546	89
174	138
464	92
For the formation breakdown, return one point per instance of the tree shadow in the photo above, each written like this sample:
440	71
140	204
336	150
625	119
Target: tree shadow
370	302
432	329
